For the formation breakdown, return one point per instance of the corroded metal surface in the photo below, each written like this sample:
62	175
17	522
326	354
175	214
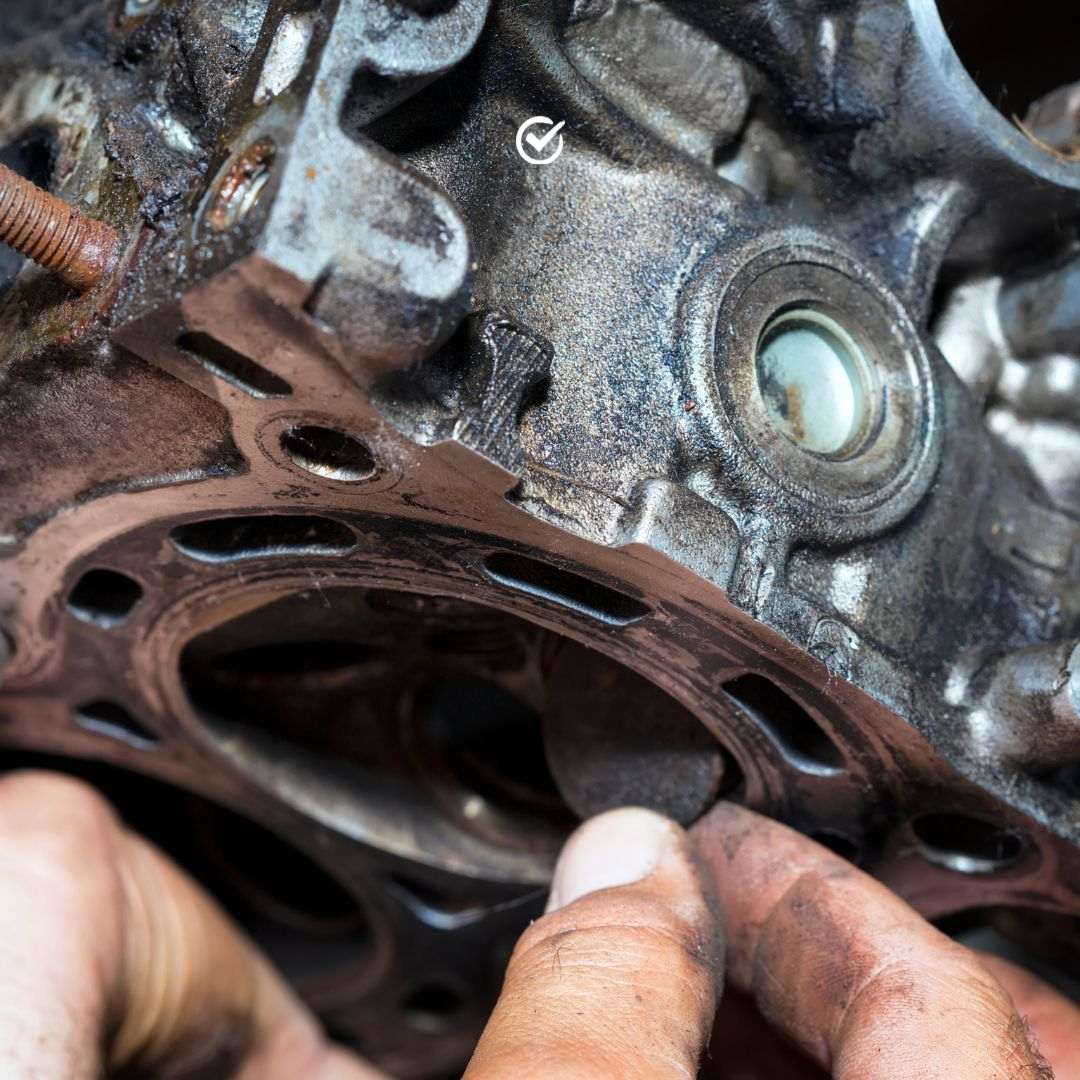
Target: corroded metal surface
386	470
79	250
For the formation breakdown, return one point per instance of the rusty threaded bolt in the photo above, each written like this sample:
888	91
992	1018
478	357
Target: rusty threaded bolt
78	249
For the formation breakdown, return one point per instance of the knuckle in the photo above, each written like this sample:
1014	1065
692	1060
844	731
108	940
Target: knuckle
818	907
943	971
947	982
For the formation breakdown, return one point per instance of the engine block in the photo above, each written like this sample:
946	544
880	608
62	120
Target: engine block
395	500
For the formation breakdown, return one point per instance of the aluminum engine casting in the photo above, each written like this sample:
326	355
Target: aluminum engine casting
402	501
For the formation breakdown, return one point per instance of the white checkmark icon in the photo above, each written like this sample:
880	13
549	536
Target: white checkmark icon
541	142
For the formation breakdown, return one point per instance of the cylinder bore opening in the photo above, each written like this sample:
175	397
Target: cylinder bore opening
815	381
388	693
399	707
492	743
1012	53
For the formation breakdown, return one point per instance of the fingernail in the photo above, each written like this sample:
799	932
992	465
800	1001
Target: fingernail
616	848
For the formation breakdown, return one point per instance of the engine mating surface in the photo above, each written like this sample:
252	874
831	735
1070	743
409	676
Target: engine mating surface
411	501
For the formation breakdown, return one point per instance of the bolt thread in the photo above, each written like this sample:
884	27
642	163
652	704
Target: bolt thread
78	249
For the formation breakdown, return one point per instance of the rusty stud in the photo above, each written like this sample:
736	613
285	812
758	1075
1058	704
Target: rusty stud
78	249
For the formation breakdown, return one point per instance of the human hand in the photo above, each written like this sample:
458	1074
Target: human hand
114	961
621	982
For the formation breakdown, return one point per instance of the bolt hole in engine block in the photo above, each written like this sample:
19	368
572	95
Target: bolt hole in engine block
392	503
104	597
328	453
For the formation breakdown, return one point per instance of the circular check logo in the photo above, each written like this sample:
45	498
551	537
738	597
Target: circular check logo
540	140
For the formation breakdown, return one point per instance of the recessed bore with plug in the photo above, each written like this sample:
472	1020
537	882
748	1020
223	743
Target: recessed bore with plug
78	249
814	381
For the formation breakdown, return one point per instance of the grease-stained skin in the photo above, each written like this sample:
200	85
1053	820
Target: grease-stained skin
117	965
857	979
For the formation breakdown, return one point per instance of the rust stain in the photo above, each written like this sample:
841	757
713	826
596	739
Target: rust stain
794	412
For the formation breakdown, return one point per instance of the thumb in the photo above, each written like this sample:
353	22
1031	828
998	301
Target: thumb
620	978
